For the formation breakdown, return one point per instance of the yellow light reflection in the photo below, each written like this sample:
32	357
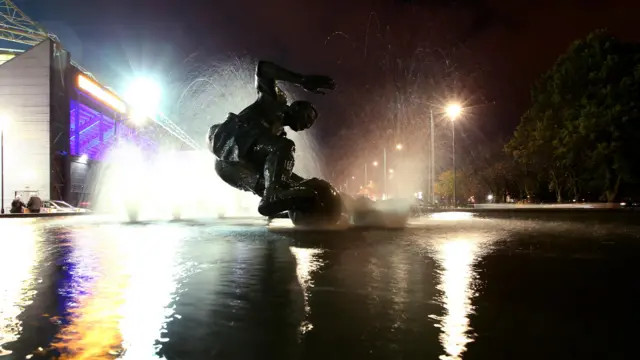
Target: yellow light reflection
308	261
126	309
400	271
21	252
452	215
153	281
457	258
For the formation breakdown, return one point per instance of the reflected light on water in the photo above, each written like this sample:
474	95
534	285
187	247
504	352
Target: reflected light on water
20	252
400	284
308	261
457	258
281	224
125	309
451	215
152	288
96	293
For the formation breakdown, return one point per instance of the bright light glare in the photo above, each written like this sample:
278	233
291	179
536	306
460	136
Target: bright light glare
144	95
452	215
375	163
138	117
456	258
391	171
453	111
17	284
399	147
308	261
4	122
489	197
84	158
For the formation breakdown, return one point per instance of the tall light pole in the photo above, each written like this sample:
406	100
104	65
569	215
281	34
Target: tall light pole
432	172
366	175
384	162
4	122
346	184
453	111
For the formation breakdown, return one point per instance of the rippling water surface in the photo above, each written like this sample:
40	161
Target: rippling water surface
451	286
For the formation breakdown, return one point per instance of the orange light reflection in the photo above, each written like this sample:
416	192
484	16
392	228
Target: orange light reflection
20	253
127	308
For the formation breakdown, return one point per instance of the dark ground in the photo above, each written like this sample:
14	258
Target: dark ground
454	287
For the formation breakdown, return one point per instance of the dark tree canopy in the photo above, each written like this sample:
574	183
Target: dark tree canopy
581	134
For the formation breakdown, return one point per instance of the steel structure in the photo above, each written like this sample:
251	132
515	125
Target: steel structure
17	27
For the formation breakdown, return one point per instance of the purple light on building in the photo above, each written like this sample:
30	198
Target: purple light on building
93	133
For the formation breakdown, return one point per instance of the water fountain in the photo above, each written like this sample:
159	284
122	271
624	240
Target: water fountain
170	179
207	95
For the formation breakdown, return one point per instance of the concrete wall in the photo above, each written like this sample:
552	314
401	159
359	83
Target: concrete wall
25	103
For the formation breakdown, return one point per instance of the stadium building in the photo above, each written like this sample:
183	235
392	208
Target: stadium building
58	122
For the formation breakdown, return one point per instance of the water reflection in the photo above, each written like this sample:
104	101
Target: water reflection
456	259
93	295
401	271
308	261
153	284
452	215
20	253
118	293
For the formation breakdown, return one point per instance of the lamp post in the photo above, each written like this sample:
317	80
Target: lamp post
453	111
2	168
366	177
432	168
4	122
346	183
384	162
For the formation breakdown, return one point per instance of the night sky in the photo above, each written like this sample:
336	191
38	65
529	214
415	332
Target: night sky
502	45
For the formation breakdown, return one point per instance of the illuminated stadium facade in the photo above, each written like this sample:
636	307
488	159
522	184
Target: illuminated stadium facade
58	124
58	121
98	120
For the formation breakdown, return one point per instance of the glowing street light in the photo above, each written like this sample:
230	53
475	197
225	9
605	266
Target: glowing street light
144	96
4	125
453	111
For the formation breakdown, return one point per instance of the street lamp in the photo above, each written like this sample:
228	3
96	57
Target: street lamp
366	172
453	111
384	169
4	124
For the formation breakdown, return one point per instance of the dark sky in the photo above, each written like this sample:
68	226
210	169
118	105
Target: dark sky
503	44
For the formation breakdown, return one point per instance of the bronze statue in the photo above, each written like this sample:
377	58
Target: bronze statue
252	149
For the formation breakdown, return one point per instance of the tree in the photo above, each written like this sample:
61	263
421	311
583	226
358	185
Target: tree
580	131
466	186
